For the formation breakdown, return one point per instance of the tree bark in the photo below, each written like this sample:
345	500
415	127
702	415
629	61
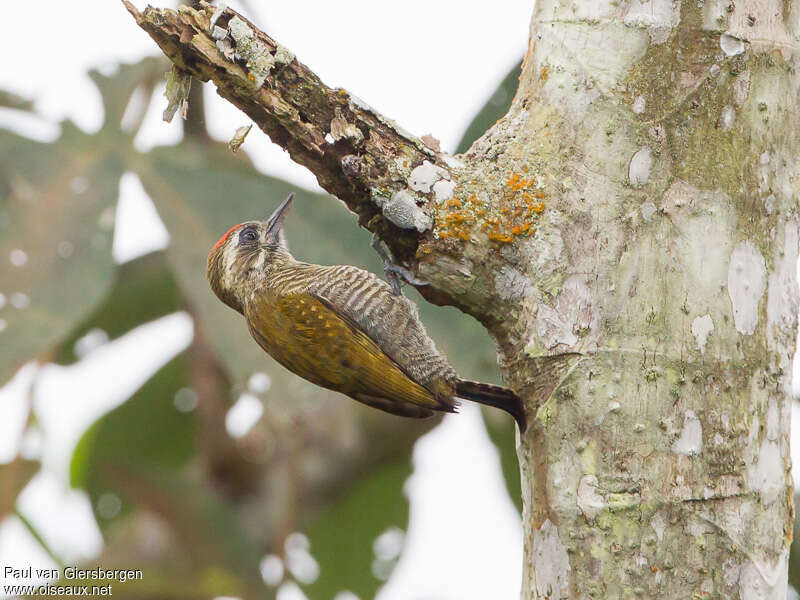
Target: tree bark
628	233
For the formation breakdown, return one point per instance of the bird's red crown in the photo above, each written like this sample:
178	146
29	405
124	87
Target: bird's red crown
224	238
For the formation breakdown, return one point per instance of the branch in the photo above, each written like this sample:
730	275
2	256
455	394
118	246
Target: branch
381	172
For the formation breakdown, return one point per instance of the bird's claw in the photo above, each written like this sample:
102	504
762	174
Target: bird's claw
395	274
398	275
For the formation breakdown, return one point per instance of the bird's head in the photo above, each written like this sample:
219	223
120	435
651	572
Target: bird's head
248	250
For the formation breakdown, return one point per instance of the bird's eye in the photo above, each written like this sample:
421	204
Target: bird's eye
248	235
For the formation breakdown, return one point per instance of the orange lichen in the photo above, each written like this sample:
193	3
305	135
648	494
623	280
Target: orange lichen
543	72
499	236
510	215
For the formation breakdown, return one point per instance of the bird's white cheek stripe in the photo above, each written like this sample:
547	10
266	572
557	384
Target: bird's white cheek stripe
228	258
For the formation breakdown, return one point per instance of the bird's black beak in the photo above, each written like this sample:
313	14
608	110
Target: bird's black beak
275	220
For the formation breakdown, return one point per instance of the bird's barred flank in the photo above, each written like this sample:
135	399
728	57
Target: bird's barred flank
340	327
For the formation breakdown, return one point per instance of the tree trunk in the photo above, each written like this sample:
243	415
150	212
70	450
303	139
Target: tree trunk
628	234
658	465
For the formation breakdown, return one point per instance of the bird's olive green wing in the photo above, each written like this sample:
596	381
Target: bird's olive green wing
308	336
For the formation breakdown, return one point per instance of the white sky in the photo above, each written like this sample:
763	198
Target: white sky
428	65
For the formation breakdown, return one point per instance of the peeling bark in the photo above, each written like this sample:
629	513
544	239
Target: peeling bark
628	234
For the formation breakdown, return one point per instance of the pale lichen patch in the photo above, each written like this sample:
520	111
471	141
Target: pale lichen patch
443	190
639	167
766	475
550	562
648	210
225	46
283	56
571	316
402	210
760	579
658	16
727	117
639	105
731	46
746	284
256	56
219	33
425	175
510	284
783	296
701	329
773	420
690	442
552	329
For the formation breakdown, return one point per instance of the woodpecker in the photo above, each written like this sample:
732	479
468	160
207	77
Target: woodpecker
340	327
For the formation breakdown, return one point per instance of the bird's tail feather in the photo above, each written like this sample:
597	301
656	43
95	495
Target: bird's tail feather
492	395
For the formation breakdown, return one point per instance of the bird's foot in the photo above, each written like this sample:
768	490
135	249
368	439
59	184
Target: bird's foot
395	274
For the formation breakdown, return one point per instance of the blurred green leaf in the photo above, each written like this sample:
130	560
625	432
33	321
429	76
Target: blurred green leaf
56	220
141	453
342	538
57	208
143	290
147	432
